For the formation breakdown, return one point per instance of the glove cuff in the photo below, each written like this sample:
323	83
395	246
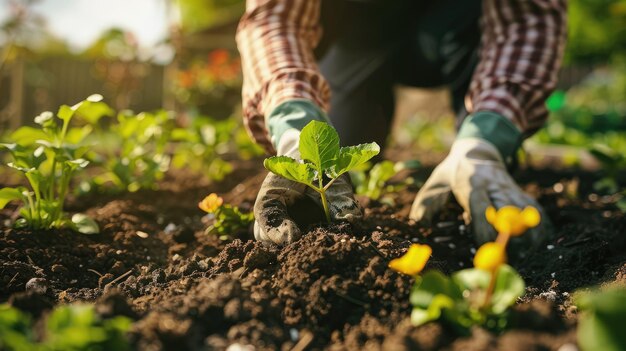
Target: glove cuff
292	114
494	128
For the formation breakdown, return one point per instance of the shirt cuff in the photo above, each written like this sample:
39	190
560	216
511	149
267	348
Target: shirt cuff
494	128
292	114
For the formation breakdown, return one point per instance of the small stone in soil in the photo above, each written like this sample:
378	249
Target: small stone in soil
293	334
38	285
141	234
170	228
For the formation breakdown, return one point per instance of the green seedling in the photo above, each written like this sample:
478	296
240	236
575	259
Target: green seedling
137	157
460	299
602	314
203	146
373	183
321	157
72	327
49	157
612	163
227	219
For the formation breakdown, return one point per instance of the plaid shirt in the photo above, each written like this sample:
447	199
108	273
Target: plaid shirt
521	49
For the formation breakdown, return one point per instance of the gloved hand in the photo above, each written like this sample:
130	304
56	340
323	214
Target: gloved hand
273	223
475	173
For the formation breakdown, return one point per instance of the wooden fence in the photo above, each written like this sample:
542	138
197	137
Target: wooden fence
28	88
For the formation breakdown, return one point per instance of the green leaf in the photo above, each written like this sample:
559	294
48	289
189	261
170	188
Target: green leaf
434	310
600	324
471	279
378	176
28	136
432	283
9	194
77	135
85	225
319	144
291	169
509	287
353	156
65	112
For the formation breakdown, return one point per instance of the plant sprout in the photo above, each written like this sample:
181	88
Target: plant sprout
508	221
321	157
413	261
475	296
49	157
228	219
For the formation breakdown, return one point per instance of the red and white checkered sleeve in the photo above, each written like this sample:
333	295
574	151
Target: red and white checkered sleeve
276	39
522	47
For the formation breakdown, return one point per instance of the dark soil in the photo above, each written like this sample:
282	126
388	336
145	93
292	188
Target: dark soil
329	290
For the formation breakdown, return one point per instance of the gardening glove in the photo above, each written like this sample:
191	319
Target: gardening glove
273	223
475	173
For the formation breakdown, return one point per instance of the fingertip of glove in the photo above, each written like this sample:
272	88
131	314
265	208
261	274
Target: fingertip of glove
286	233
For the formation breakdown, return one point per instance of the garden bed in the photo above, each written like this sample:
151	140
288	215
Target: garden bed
329	290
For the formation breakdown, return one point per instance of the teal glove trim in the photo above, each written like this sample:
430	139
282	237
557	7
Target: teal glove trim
292	114
494	128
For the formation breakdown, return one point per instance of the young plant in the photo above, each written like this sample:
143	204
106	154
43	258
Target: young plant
49	157
203	146
480	295
321	157
601	321
227	219
137	157
71	327
373	183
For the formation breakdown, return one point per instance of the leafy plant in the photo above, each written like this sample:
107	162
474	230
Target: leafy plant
612	163
15	329
203	145
136	158
476	296
600	325
227	219
71	327
373	183
321	157
49	157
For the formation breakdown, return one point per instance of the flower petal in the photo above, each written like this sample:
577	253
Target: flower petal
413	261
490	214
490	256
531	217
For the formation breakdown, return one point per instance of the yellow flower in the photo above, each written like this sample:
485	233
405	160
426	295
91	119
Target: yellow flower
511	220
211	203
413	260
490	256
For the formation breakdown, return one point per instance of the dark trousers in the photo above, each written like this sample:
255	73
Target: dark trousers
369	46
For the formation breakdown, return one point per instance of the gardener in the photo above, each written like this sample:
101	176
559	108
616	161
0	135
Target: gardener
338	60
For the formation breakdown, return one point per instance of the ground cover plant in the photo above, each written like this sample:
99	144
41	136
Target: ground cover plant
48	157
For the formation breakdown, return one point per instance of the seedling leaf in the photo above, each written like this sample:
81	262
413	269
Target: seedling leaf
84	224
353	156
9	194
319	144
291	169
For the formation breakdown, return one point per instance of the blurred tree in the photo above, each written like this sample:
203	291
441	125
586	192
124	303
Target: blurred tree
597	30
196	15
119	63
